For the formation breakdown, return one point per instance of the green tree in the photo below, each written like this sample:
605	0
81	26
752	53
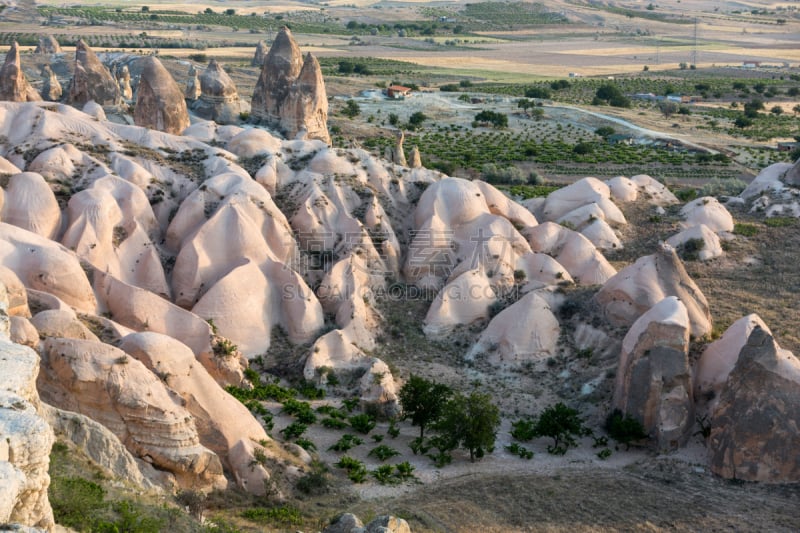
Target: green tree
423	401
416	119
776	110
562	424
472	422
351	109
393	119
605	131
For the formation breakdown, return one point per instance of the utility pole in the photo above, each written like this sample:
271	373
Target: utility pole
694	50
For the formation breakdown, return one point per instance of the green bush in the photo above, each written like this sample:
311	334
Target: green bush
523	430
780	222
293	430
383	452
362	423
521	451
284	515
624	428
75	500
345	443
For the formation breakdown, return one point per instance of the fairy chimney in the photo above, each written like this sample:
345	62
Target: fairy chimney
51	88
159	101
260	55
219	99
48	45
124	79
192	91
14	87
290	93
91	80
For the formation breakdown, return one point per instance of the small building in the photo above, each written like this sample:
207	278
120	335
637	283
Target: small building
398	92
787	146
751	64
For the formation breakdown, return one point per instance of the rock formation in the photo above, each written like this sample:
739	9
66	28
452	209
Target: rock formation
91	80
708	211
697	243
219	100
260	55
290	92
638	287
754	429
159	101
14	87
654	379
107	385
51	88
719	359
192	91
47	45
124	79
415	159
396	155
26	438
31	205
523	332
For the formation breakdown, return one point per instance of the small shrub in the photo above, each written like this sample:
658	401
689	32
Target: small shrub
334	423
604	454
405	470
624	428
345	443
306	444
393	431
690	249
383	452
523	430
521	451
362	423
384	475
315	482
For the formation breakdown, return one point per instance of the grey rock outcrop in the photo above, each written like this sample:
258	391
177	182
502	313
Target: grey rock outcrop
92	81
124	80
755	431
219	99
51	87
290	92
159	101
260	55
654	378
48	45
192	91
14	87
26	437
350	523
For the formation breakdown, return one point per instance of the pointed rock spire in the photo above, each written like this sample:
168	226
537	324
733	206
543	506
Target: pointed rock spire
159	101
290	93
260	55
192	91
280	70
415	159
14	87
51	88
124	78
92	80
48	45
307	104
